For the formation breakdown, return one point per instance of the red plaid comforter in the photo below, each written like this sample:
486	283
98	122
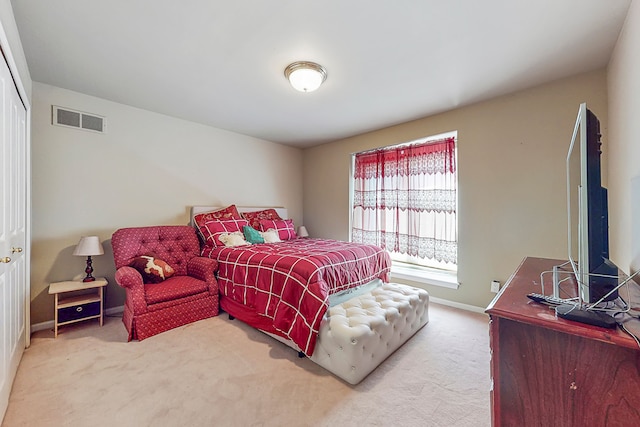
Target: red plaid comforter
290	282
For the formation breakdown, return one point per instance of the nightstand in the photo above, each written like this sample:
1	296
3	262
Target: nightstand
76	305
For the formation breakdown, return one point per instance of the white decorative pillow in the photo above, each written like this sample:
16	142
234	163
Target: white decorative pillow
270	236
233	239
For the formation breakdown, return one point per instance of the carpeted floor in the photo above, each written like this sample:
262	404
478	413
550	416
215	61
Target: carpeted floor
218	372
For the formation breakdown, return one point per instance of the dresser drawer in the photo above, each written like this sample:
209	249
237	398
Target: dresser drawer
78	311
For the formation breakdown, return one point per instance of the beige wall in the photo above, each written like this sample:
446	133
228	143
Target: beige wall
147	169
624	132
512	192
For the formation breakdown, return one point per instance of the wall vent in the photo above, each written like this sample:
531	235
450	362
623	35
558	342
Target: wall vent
66	117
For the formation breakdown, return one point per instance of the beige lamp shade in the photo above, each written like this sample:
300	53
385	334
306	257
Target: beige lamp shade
89	246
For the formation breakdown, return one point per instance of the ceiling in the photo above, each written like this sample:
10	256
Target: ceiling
221	63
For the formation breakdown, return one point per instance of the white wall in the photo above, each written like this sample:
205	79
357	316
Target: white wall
623	79
146	170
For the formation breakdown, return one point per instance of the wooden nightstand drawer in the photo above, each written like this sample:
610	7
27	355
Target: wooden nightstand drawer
79	312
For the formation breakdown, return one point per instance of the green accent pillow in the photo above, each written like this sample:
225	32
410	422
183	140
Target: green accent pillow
252	235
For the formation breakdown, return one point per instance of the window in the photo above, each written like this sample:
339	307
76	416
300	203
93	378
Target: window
404	199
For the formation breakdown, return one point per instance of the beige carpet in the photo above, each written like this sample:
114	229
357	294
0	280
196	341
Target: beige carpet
219	372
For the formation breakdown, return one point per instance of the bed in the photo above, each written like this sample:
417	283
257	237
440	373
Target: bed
283	288
292	288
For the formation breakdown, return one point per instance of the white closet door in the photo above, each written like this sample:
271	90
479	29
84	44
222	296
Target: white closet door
13	264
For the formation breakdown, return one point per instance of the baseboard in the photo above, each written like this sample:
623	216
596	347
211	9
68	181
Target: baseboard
117	310
114	310
49	324
459	305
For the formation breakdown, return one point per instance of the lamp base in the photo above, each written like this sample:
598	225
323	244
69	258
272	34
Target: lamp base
89	271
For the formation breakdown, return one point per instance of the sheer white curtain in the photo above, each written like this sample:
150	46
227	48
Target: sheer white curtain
405	200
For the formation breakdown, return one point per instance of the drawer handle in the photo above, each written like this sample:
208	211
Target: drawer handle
78	309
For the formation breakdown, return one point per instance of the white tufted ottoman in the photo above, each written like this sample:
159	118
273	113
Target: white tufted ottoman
358	334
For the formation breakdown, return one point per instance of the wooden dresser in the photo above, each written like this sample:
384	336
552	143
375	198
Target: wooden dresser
548	371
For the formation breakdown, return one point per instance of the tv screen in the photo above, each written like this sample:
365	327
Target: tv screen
589	223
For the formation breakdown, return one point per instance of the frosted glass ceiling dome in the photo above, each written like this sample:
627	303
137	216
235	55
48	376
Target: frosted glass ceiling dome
305	76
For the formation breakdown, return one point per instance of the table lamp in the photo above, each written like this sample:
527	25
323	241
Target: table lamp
89	246
302	231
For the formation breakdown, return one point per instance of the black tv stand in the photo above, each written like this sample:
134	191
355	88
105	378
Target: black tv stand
581	314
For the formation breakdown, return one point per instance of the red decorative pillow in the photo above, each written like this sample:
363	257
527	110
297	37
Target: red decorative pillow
284	227
254	218
152	269
212	230
230	212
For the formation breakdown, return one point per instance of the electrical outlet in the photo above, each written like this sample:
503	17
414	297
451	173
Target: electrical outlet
495	286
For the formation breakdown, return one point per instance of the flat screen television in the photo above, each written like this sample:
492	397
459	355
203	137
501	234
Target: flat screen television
589	226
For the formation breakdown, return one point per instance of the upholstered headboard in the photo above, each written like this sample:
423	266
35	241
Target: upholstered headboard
194	210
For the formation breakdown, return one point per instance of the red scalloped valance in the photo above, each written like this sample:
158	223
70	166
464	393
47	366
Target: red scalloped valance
421	158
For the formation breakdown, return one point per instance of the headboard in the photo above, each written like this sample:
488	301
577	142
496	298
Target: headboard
194	210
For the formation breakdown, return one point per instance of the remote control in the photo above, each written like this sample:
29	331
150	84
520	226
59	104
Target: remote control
546	299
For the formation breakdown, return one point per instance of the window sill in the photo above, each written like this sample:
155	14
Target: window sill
424	275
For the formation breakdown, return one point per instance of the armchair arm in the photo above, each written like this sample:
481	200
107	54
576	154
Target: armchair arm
130	279
203	268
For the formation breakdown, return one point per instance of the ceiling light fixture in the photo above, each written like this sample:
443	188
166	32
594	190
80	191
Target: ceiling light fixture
305	76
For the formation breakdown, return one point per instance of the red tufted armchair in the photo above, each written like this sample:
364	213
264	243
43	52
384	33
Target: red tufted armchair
190	294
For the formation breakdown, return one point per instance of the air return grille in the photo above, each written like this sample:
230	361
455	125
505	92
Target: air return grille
77	119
